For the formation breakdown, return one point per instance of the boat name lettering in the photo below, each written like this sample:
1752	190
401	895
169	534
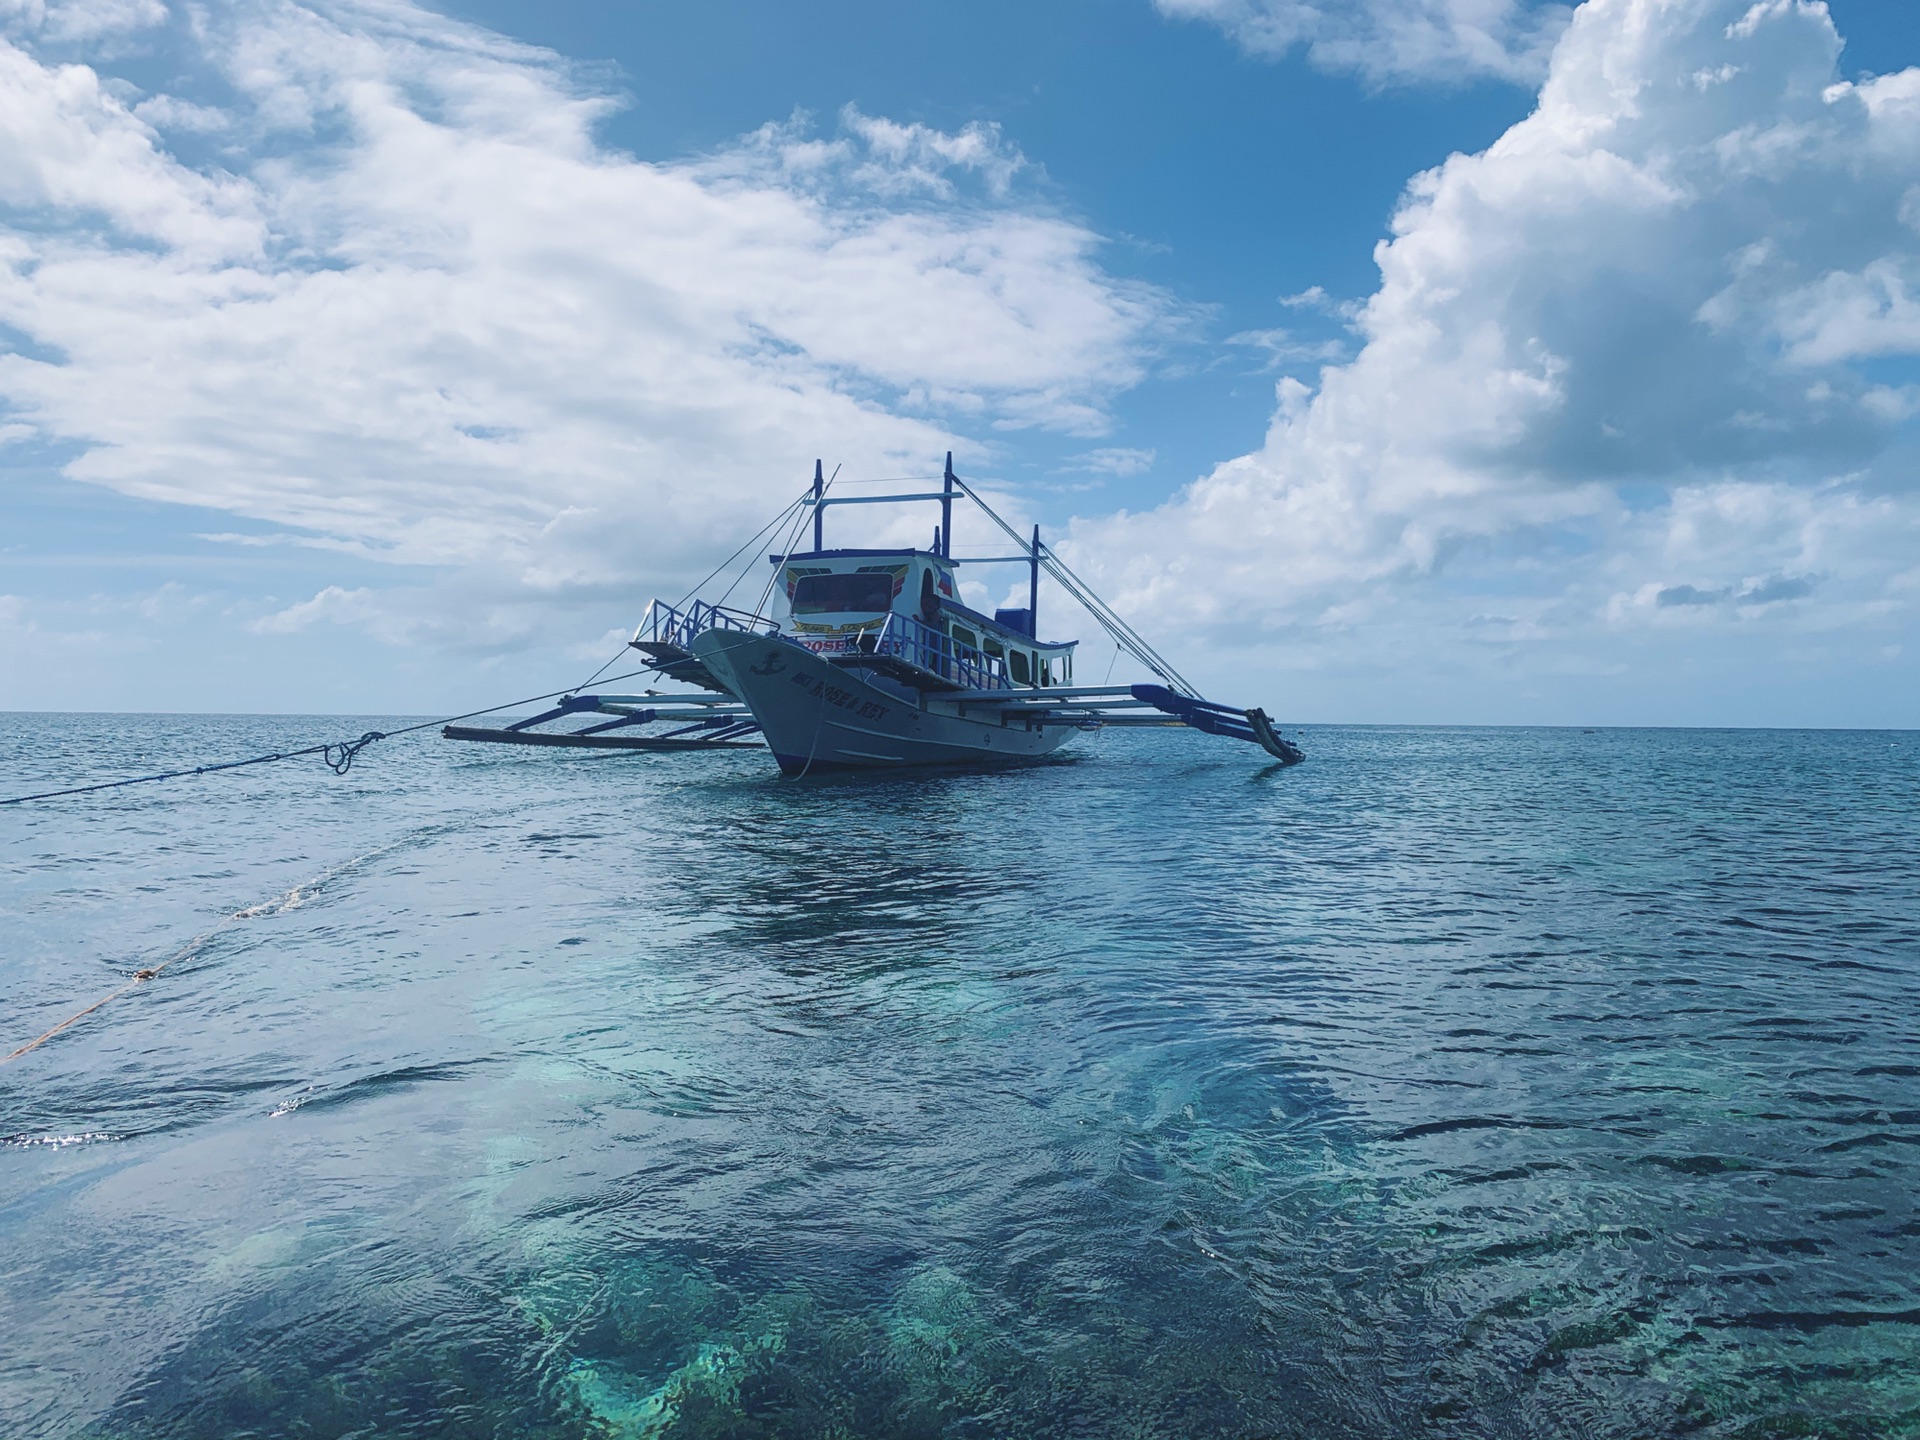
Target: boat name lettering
845	700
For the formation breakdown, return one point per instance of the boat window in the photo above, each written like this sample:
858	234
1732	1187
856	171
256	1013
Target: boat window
1046	672
994	648
867	593
965	637
1066	669
1017	663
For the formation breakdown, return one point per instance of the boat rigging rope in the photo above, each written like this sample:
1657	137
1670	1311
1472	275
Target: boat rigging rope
786	549
799	503
1123	634
680	604
338	755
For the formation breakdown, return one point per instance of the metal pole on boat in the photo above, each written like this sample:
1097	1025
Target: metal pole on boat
946	511
1033	589
819	513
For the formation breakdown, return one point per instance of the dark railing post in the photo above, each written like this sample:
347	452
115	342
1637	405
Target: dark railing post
819	514
946	509
1033	590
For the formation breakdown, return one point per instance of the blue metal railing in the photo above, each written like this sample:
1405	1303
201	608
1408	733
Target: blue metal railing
918	643
665	624
901	637
925	647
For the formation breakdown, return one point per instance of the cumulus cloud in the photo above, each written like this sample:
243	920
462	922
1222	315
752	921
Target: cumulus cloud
1446	42
1622	354
417	308
334	603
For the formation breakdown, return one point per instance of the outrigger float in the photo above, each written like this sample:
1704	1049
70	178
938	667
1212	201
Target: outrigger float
867	659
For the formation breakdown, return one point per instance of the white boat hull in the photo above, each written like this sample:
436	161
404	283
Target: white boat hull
818	716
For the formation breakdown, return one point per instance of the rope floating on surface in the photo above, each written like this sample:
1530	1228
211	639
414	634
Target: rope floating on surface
338	755
279	904
138	978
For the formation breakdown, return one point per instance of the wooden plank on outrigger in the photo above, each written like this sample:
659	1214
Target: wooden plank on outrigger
594	742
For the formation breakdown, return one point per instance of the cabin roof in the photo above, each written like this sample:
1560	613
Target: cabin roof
859	555
985	623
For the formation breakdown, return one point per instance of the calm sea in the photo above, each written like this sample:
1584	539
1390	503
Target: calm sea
1463	1082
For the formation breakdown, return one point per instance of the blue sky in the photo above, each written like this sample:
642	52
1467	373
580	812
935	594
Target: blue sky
366	357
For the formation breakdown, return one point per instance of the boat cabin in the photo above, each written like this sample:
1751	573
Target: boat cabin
840	601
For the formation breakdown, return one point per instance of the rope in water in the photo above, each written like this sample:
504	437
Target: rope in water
195	946
139	977
338	755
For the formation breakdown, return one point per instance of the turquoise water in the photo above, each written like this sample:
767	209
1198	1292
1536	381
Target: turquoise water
1456	1083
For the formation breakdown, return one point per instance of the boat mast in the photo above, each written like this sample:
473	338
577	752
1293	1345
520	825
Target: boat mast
819	510
946	510
1033	589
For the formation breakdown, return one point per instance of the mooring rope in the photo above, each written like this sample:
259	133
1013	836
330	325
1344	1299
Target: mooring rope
819	724
137	979
286	900
337	754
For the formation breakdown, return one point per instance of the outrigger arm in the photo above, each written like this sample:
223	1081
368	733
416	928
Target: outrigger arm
700	722
1215	719
1120	707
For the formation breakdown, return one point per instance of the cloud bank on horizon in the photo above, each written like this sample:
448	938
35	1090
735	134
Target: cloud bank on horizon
1637	375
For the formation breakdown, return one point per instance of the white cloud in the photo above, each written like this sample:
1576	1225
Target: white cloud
333	604
70	148
169	112
1447	42
1117	460
1848	315
1282	347
424	314
915	157
1613	357
81	20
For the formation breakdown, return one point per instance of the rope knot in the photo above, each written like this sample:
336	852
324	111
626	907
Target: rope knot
339	757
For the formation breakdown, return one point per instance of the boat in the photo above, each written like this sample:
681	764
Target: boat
868	659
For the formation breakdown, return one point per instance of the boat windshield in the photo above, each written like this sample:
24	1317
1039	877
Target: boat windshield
868	593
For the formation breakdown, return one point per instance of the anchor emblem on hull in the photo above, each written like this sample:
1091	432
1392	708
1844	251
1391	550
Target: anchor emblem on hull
772	665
